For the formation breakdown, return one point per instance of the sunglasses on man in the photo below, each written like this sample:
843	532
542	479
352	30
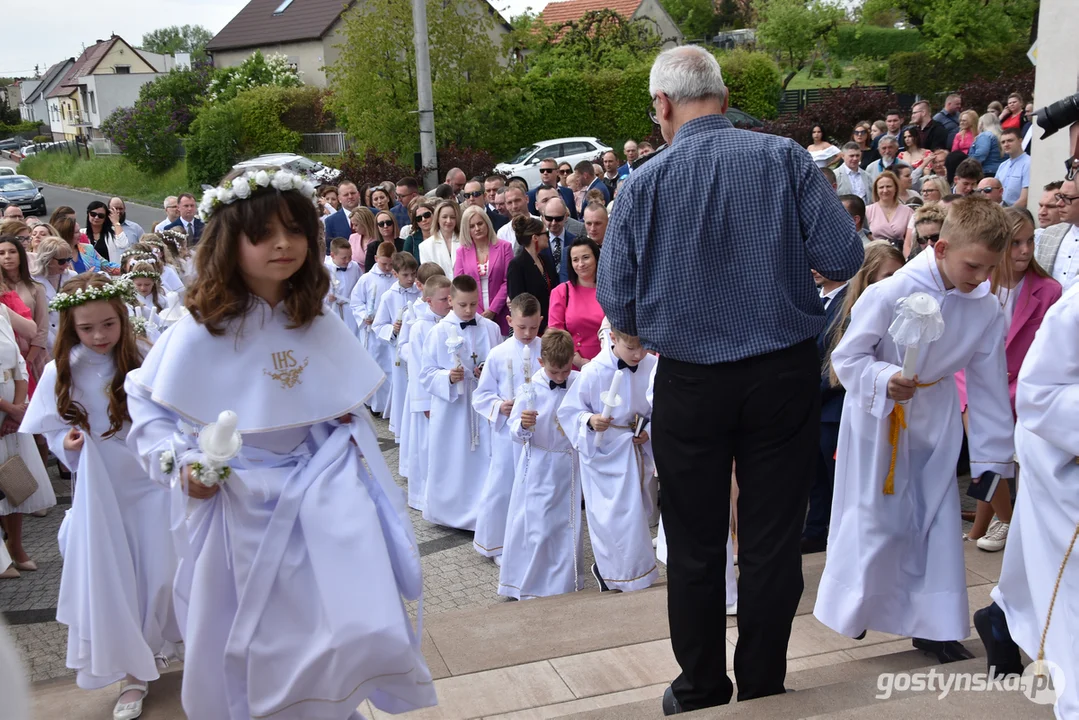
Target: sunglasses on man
474	194
554	218
544	171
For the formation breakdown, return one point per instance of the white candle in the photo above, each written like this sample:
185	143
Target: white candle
910	360
526	361
219	441
401	313
610	401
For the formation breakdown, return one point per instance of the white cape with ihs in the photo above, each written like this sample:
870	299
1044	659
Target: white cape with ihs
302	523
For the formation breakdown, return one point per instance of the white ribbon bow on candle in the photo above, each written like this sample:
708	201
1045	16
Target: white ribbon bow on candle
917	323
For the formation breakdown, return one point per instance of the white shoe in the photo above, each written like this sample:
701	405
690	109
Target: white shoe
732	609
498	560
995	539
131	710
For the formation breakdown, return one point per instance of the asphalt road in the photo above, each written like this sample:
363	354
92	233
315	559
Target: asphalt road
56	196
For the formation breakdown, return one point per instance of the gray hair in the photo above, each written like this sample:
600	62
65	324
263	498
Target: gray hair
46	251
887	140
687	73
851	146
170	198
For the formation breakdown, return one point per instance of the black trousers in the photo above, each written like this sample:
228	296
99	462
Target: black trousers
820	494
763	413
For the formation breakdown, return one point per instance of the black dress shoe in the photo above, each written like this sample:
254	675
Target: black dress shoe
671	706
948	651
1002	656
862	636
814	545
599	578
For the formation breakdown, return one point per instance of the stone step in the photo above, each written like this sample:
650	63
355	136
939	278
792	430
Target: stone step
860	697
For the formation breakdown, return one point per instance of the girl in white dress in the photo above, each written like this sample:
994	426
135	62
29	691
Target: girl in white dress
13	386
115	590
292	570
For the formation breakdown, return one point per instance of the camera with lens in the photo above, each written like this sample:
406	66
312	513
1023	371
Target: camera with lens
1059	115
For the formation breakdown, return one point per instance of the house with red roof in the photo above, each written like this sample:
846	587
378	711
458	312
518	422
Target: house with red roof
562	11
107	75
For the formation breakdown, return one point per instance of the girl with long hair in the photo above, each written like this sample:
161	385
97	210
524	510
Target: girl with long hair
303	528
25	297
116	588
1026	291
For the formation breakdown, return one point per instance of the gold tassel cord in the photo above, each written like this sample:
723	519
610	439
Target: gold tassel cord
897	423
1040	664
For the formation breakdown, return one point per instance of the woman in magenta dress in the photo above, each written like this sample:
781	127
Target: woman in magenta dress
574	307
486	258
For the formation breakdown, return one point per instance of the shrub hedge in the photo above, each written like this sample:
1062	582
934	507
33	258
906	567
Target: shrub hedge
874	42
919	73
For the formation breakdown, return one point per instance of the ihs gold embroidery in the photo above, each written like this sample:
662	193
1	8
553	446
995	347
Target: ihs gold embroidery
288	371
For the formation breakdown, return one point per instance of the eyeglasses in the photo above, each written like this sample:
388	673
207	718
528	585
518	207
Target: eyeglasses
62	261
385	223
1071	165
23	238
99	216
1066	199
928	239
859	132
544	171
563	172
171	207
423	216
986	190
554	218
652	112
475	194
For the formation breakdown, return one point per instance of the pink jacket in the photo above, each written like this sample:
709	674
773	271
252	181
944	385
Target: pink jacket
498	260
1037	296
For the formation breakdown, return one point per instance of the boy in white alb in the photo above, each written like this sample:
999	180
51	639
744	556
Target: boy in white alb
434	306
364	303
895	509
344	274
543	549
1046	517
389	319
617	468
459	440
425	271
502	376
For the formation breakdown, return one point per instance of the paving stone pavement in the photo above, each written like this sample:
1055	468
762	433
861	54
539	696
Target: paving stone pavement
454	576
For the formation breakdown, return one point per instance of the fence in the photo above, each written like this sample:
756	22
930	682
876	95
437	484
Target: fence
325	143
104	146
795	101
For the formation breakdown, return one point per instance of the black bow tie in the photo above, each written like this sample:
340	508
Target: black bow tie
558	385
341	269
471	322
623	366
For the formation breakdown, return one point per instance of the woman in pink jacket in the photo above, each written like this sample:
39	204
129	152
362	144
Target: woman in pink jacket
486	258
1025	291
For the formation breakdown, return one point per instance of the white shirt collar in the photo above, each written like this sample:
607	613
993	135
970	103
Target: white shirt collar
833	293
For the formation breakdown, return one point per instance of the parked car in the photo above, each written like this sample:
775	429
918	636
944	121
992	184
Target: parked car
21	190
7	171
525	164
743	119
11	144
317	172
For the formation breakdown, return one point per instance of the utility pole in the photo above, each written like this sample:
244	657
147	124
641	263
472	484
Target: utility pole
425	96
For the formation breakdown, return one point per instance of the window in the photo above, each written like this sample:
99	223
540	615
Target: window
282	7
576	148
123	69
93	102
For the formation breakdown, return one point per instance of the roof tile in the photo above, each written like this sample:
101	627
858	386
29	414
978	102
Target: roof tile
257	25
556	13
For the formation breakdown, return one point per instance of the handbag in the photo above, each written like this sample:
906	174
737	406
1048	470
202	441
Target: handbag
16	480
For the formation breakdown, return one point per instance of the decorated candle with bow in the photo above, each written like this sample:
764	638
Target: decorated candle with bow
917	323
526	362
454	343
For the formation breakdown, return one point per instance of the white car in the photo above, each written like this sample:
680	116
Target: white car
525	164
7	171
316	171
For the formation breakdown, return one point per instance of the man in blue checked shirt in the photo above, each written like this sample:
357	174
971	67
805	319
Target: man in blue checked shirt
718	283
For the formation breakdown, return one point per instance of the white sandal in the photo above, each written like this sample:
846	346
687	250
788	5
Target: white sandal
131	710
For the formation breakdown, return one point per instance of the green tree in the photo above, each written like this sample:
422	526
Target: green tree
374	78
954	28
695	18
178	38
795	29
599	39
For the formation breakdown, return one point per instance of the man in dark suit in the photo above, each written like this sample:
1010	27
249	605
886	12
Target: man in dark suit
554	218
815	535
586	175
548	170
187	223
337	224
473	195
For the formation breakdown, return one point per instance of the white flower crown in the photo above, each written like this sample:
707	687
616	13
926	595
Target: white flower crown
138	255
148	274
244	186
121	288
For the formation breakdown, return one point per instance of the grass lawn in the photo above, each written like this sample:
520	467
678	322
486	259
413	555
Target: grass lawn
108	175
802	81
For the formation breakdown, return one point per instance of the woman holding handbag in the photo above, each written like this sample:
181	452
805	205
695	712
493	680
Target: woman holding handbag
23	478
